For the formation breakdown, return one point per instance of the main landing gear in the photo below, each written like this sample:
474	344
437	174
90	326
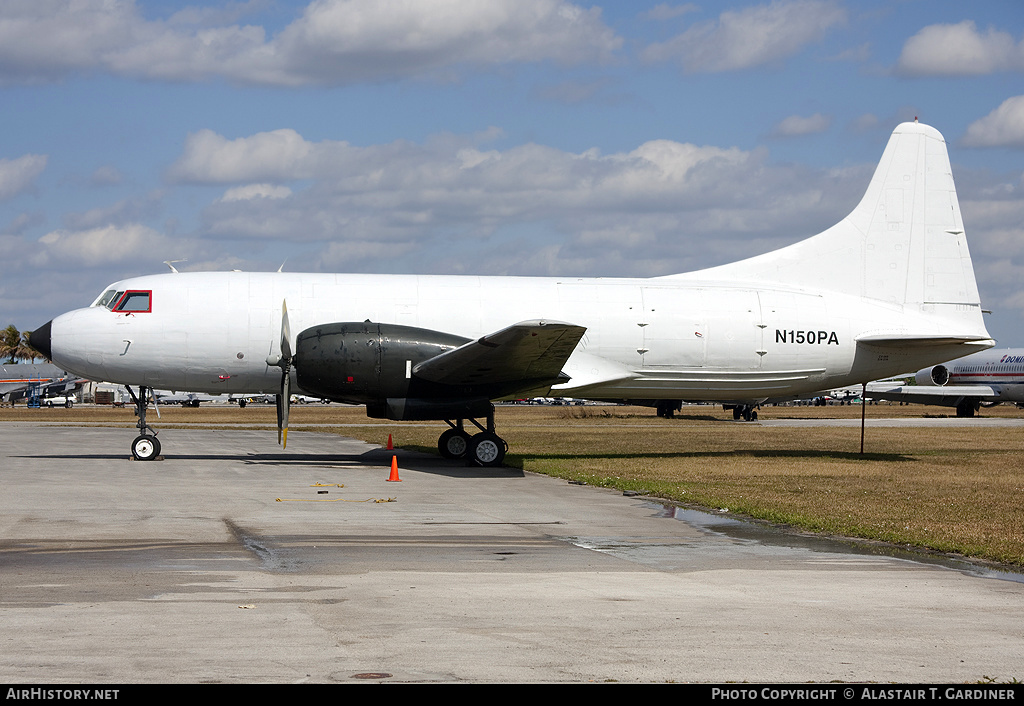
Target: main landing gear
967	408
668	408
483	449
146	447
746	412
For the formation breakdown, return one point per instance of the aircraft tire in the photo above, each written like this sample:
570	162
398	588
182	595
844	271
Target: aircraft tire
966	408
454	443
145	448
486	449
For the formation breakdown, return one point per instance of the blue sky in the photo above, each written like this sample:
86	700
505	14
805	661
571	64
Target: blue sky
532	137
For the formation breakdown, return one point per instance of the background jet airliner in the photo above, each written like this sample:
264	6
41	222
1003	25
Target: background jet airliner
988	377
444	347
16	378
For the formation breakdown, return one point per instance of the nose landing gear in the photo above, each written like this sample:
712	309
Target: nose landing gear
146	446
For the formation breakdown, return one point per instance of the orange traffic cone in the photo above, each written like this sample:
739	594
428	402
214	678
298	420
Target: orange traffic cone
394	471
390	445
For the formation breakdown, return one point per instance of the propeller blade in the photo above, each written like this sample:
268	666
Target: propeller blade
286	334
285	363
283	404
280	416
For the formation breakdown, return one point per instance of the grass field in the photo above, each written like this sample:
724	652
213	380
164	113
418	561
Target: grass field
955	490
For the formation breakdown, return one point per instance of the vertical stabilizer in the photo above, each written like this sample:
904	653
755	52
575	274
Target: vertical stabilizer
904	243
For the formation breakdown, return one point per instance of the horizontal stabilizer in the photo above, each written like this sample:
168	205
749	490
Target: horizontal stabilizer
926	394
529	351
925	341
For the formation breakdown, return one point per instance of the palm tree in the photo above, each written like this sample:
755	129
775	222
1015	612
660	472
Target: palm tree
10	339
14	346
25	350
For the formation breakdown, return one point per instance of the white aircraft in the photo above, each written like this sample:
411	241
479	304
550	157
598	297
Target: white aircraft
444	347
988	377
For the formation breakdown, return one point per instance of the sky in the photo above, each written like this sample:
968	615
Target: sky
512	137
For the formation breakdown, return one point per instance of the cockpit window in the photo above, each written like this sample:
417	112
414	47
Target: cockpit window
108	298
135	302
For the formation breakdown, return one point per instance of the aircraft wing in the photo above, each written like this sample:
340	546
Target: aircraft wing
530	351
15	379
68	384
947	395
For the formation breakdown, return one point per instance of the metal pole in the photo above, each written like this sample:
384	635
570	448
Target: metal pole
863	407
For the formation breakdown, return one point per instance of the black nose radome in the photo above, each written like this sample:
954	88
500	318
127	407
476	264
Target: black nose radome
40	340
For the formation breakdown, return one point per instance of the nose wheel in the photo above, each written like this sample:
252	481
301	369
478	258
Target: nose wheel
146	446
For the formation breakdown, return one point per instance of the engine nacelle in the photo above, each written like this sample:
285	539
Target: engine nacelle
371	364
936	375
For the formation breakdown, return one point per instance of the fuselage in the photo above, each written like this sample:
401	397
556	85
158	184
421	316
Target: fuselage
660	338
1002	370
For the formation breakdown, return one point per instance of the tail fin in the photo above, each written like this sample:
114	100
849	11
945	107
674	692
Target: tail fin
904	243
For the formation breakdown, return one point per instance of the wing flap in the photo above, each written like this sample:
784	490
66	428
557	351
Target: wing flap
530	351
590	371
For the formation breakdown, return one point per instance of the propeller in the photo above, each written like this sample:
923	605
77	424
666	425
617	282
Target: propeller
283	361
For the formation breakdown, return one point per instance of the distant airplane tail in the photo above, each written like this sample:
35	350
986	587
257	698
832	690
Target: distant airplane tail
904	243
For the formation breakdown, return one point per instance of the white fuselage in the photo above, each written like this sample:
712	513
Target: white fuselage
660	338
1001	370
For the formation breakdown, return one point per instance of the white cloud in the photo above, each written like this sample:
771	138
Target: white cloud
18	175
751	37
267	156
437	206
798	125
99	246
959	50
1003	127
333	42
256	191
336	40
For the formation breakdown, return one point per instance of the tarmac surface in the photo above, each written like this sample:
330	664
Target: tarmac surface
232	561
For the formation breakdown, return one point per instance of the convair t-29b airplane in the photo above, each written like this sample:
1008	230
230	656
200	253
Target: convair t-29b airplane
444	347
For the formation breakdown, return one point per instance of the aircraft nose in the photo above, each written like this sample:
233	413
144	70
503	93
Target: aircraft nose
40	340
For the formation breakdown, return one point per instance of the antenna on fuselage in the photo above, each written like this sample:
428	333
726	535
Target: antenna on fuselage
170	263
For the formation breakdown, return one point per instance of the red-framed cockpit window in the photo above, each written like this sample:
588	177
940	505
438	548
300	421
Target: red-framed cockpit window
135	302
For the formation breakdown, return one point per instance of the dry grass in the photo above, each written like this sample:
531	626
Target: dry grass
952	490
